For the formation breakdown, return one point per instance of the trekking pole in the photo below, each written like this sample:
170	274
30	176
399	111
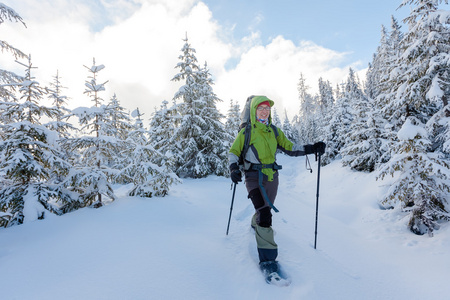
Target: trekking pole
231	207
317	198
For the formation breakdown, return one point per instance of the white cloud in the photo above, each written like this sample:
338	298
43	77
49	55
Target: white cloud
257	19
139	43
274	70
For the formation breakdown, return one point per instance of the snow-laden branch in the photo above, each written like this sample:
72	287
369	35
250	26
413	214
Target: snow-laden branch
7	13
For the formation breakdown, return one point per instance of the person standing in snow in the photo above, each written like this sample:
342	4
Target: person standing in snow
261	173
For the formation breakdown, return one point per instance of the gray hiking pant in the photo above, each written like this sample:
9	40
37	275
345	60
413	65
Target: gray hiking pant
262	219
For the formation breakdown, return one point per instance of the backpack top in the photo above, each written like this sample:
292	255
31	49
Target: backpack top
245	114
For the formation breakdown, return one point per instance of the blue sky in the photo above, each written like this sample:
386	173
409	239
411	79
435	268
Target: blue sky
251	47
342	25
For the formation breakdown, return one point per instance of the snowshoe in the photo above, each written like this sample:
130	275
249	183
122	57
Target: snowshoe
272	273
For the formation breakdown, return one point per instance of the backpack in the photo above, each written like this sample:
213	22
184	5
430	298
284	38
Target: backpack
247	123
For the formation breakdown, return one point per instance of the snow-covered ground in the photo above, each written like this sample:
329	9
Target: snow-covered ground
176	248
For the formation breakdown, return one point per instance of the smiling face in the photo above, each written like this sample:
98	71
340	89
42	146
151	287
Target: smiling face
263	112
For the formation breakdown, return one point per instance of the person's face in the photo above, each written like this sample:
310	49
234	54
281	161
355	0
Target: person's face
263	112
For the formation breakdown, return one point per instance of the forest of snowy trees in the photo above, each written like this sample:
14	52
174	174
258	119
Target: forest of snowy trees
396	123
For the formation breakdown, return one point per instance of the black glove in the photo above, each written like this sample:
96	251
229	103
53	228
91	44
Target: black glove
319	148
235	173
309	149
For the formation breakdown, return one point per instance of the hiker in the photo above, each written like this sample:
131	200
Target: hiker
261	173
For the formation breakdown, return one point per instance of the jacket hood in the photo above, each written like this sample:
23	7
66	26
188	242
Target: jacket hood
254	105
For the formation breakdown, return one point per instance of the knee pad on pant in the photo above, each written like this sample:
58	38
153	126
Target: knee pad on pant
257	198
264	218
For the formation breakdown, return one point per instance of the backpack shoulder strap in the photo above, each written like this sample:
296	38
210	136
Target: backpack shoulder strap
275	130
247	134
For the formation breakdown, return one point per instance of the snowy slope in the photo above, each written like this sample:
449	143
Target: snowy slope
176	248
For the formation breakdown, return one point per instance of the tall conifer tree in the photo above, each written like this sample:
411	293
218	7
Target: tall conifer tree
198	142
90	178
147	169
419	86
29	155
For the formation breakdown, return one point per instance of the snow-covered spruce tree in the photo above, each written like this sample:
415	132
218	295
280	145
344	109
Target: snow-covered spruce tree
64	130
163	124
393	53
118	119
417	95
117	124
341	117
60	122
422	188
141	168
370	83
215	139
420	73
8	78
361	150
7	13
326	97
89	177
233	119
198	142
384	69
307	123
385	60
439	127
276	118
59	101
184	141
325	102
338	91
438	24
378	67
378	87
137	129
30	156
7	87
289	131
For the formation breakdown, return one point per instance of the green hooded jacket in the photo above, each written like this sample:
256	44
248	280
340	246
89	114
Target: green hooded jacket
263	143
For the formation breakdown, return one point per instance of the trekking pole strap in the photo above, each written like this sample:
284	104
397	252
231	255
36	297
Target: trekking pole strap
260	181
